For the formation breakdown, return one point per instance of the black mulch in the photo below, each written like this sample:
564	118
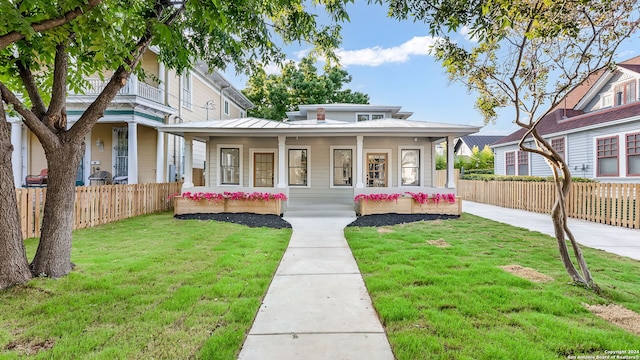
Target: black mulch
395	219
276	222
247	219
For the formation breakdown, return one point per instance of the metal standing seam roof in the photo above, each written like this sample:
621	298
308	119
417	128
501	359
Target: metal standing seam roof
244	125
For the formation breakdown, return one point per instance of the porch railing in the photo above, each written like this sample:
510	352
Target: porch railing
132	87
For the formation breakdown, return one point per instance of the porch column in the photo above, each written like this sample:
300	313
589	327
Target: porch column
359	156
188	162
282	142
451	184
160	160
16	155
132	161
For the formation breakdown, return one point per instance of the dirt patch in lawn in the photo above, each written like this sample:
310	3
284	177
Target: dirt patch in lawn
526	273
617	315
385	230
439	243
30	348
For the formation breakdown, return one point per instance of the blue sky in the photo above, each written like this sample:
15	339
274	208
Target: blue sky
389	60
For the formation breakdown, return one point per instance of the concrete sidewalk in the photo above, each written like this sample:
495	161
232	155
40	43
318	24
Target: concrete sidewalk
613	239
317	306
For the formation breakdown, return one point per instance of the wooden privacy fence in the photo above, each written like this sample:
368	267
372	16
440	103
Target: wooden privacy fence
605	203
95	205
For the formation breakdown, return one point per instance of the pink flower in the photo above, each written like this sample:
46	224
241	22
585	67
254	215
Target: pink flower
377	197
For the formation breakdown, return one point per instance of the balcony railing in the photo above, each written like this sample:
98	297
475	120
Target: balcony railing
132	87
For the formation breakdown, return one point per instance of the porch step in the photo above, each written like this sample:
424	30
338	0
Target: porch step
319	208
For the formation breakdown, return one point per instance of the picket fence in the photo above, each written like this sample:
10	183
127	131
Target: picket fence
96	205
605	203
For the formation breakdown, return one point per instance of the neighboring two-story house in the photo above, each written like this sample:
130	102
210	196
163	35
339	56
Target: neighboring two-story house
323	152
125	142
596	128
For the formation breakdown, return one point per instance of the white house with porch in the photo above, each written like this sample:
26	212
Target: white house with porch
324	153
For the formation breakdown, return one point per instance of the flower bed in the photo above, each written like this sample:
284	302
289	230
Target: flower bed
234	202
409	203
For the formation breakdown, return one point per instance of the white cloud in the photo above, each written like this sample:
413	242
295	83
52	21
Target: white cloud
272	69
376	56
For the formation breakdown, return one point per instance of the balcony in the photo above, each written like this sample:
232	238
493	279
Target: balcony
132	87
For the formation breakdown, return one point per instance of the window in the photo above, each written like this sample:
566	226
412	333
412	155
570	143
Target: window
523	163
226	107
342	167
230	166
377	170
365	117
510	163
625	93
607	155
633	154
187	94
410	162
298	167
606	100
558	146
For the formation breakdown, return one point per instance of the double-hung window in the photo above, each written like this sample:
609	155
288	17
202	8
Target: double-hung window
510	163
342	167
607	156
559	147
298	167
410	162
633	154
523	163
230	166
187	93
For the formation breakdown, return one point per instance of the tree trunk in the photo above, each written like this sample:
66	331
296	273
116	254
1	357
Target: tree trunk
14	266
53	258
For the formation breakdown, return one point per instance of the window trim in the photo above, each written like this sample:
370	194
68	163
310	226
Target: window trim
365	167
626	152
421	166
226	107
369	116
187	79
353	166
597	156
299	147
515	163
219	147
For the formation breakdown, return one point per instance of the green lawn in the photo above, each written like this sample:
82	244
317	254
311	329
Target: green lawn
457	303
150	287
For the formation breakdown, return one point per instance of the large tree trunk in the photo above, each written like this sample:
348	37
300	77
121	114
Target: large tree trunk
14	266
53	257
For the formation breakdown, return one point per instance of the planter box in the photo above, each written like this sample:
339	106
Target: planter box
407	205
183	206
253	206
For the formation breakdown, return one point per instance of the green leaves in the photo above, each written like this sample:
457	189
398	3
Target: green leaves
297	84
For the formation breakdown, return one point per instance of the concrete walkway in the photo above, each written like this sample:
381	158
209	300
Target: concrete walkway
613	239
317	306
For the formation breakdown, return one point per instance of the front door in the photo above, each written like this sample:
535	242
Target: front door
120	151
377	170
263	169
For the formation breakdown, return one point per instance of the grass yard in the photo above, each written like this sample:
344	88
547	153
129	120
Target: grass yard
441	293
150	287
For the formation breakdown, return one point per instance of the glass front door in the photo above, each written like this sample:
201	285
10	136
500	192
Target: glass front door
263	169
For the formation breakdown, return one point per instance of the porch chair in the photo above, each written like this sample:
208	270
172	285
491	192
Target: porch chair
100	177
37	180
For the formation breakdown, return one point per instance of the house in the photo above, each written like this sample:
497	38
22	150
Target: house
596	128
125	142
464	145
322	153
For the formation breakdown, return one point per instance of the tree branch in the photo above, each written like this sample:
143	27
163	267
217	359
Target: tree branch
29	118
26	75
55	118
13	36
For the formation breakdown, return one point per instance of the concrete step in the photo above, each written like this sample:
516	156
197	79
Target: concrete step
319	209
